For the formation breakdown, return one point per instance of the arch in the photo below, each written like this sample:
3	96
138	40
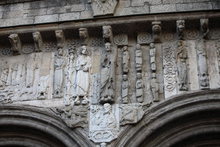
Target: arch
31	126
186	120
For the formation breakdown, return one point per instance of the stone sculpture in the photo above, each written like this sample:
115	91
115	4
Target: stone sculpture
104	125
15	43
107	33
156	29
82	79
103	7
180	28
138	58
38	41
182	66
125	87
107	75
139	88
125	59
59	66
60	38
205	27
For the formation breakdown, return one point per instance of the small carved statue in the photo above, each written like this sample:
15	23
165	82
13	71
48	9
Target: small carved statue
125	59
83	65
154	88
205	27
180	28
153	57
125	86
38	42
181	66
4	77
60	38
59	66
139	88
156	28
15	42
107	75
138	58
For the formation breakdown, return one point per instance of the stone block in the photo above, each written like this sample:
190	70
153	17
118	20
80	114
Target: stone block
12	14
133	10
193	6
137	3
46	18
162	8
216	5
36	12
16	22
85	14
124	3
77	7
15	7
56	10
69	16
153	2
35	5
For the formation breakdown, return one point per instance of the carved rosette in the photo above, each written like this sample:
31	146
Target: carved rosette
103	7
144	38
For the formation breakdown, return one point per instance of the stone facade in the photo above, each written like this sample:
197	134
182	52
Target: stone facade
101	67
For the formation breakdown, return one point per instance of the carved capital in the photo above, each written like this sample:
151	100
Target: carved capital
204	27
156	29
15	42
38	41
180	24
60	38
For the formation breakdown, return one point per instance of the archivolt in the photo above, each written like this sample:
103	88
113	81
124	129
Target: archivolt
187	120
36	127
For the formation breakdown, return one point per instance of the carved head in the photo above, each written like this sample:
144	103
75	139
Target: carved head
125	77
125	48
152	45
108	46
107	107
139	75
60	51
156	27
13	38
103	144
107	31
36	36
59	33
84	50
138	47
83	33
180	25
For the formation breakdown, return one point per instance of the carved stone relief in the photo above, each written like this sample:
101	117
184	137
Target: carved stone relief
154	86
139	88
15	42
60	38
82	78
169	70
180	28
144	38
59	65
38	41
182	66
138	58
73	116
103	7
107	85
156	29
121	40
130	113
104	123
107	33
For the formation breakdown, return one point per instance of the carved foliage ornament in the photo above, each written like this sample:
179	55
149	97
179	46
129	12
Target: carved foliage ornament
103	7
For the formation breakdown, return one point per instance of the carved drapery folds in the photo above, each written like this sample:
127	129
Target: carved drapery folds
202	56
181	56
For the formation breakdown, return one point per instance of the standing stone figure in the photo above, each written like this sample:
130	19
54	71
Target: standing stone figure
70	78
59	74
125	86
153	57
83	65
138	58
139	88
181	66
202	65
107	75
125	59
